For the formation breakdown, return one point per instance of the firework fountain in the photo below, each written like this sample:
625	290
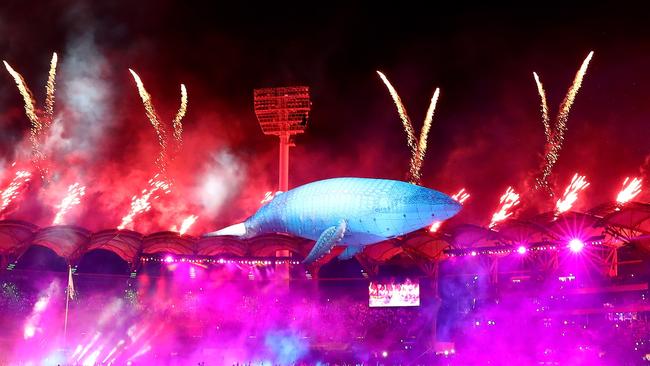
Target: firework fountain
571	194
39	129
418	147
555	136
507	203
73	198
160	181
631	189
14	189
40	122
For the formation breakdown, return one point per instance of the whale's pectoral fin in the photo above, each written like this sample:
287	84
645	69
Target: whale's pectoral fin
326	242
350	252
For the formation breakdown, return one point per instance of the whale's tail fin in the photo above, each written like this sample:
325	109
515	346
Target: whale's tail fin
232	230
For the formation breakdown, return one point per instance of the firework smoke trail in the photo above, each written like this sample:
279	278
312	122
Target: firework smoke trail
509	200
14	188
631	189
186	224
177	124
142	204
577	185
461	196
418	147
73	198
555	138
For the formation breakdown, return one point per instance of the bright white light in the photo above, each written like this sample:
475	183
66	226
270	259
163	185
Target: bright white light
576	245
169	259
473	253
29	331
384	354
521	250
41	304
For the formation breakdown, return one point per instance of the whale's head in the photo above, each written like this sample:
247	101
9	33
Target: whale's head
434	205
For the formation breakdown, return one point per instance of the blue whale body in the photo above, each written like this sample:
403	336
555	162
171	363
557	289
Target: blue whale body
348	211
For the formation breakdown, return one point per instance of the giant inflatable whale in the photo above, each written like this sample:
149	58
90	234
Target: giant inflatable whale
354	212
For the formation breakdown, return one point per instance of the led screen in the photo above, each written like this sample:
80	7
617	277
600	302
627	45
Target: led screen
390	294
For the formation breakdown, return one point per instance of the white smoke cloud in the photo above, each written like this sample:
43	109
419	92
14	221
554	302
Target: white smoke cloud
86	96
222	177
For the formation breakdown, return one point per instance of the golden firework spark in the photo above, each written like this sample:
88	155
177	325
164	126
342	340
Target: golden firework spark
150	111
418	147
544	107
161	131
424	134
406	121
555	137
39	124
50	88
570	97
178	119
28	98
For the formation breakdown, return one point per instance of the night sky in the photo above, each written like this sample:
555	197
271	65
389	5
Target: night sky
487	132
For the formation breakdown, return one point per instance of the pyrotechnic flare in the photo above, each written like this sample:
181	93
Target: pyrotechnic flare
461	196
555	137
435	226
508	201
142	203
577	185
631	189
418	148
186	224
161	131
14	188
39	124
269	196
73	198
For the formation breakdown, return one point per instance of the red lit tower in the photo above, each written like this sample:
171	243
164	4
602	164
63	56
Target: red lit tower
283	112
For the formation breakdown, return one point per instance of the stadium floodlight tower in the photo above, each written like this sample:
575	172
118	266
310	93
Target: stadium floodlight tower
283	112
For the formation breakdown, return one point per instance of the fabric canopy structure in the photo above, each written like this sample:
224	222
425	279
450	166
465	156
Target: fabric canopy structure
619	225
